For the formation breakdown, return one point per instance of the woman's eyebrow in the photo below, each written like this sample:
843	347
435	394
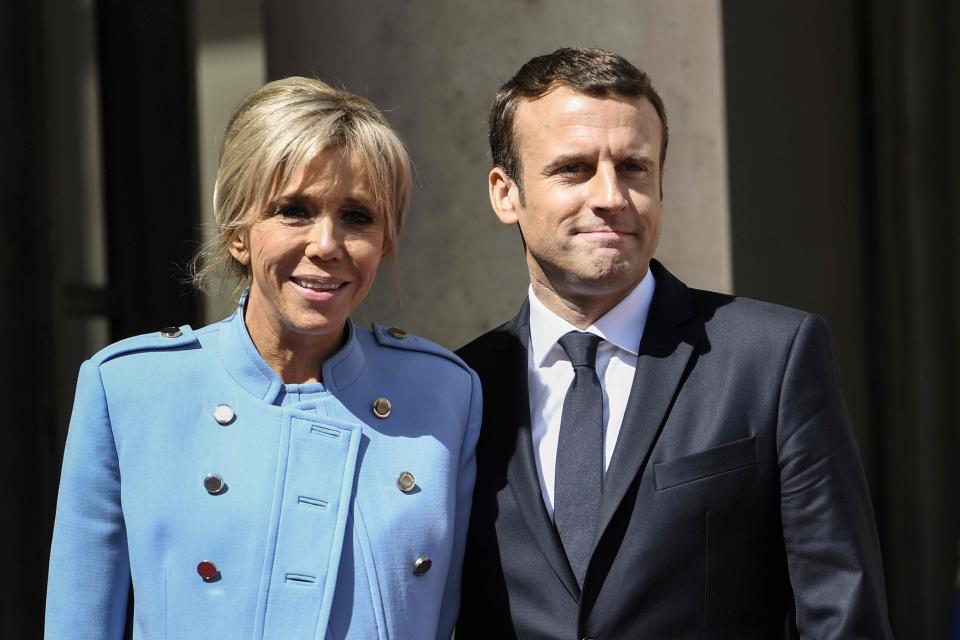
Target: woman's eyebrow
290	198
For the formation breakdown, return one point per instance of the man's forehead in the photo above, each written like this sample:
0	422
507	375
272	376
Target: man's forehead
565	115
565	102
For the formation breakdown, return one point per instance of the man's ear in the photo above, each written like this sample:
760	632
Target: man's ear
662	167
504	196
239	249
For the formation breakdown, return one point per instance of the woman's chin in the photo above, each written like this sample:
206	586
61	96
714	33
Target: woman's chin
318	327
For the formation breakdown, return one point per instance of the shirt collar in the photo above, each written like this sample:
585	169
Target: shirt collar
622	326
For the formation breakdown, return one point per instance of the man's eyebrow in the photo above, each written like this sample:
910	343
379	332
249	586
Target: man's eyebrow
639	158
567	158
575	158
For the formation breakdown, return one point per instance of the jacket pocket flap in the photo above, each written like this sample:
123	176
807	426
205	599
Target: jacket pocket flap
714	461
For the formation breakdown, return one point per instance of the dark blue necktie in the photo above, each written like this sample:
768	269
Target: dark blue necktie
579	475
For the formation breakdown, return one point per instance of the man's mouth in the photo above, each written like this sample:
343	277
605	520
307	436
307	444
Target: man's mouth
603	230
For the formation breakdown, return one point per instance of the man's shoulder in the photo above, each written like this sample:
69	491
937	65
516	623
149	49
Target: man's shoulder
720	311
739	321
484	346
710	304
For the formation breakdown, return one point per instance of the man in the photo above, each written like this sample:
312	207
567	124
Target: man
655	461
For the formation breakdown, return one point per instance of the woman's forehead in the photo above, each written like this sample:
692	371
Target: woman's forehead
335	170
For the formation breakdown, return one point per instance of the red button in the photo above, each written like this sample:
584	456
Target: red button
208	571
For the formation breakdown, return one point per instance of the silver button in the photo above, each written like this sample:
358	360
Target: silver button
406	482
422	565
170	332
223	414
214	484
397	332
381	407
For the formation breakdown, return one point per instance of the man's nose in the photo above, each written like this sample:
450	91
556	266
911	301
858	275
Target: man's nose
606	191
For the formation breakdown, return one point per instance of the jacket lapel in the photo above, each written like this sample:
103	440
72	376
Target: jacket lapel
665	349
515	444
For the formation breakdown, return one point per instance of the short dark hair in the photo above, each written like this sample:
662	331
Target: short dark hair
593	72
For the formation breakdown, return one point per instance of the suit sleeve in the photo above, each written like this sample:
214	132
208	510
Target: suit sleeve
89	568
466	479
829	529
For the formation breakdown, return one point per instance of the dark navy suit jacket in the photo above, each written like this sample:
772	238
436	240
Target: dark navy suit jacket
734	505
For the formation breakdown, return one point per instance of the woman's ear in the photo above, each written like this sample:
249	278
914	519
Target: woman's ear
239	249
504	196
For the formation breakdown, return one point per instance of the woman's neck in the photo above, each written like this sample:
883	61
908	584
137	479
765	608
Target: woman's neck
297	358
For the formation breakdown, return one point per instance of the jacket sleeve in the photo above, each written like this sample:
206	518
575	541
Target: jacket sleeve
466	479
829	529
89	568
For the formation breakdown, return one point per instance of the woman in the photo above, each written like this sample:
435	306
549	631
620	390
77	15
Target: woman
282	473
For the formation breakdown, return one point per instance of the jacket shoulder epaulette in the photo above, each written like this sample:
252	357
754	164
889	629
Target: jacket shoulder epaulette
400	339
163	339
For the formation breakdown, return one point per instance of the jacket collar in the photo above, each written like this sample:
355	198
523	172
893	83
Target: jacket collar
245	365
664	353
506	380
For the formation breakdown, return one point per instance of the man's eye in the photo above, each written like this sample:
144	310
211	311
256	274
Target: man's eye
633	167
573	167
357	216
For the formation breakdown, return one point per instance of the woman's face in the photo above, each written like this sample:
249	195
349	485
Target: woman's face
314	253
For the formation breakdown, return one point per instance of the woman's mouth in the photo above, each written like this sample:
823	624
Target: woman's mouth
318	285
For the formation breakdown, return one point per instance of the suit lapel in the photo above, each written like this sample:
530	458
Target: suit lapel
511	421
665	349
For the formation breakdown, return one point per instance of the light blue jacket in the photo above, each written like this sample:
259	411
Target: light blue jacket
311	535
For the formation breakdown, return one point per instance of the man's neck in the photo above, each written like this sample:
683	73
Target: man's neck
580	311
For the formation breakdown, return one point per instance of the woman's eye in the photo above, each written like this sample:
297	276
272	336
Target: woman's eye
293	212
357	216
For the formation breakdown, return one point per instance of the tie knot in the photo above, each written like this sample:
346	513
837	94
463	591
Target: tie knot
581	348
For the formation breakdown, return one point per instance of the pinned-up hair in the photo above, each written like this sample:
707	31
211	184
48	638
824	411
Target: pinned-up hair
272	134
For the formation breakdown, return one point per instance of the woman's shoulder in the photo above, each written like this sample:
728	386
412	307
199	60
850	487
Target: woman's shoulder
398	343
163	343
402	365
164	339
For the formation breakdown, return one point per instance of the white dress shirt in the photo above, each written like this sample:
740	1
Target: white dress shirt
549	374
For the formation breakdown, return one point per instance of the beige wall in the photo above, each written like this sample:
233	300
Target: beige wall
434	68
230	64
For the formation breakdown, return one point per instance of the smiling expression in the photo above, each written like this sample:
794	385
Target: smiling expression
590	215
313	254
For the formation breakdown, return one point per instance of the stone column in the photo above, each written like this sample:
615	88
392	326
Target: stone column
434	68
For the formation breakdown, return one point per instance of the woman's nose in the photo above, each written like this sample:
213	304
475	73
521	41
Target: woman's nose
323	240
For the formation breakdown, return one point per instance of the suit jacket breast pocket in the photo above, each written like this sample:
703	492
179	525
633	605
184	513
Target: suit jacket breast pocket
705	464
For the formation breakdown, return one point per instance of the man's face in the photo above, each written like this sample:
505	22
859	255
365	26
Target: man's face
591	213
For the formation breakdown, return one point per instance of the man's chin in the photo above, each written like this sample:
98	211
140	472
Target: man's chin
607	276
610	286
602	277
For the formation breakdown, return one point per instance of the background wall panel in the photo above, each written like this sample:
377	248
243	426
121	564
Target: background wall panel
434	68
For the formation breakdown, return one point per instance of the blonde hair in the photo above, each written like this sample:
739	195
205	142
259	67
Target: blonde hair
274	132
